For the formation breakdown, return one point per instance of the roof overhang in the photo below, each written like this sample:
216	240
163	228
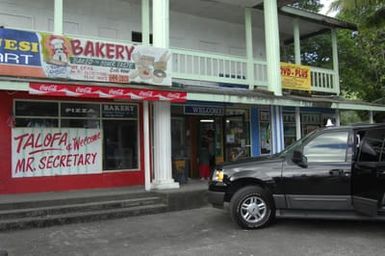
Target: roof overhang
231	96
316	18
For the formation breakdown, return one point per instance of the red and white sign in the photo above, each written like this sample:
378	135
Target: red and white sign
51	151
52	89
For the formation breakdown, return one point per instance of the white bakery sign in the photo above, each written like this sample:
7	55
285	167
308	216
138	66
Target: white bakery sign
51	151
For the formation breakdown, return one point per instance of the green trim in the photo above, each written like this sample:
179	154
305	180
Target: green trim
14	86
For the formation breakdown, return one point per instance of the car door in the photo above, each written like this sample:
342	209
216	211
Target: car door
323	180
368	172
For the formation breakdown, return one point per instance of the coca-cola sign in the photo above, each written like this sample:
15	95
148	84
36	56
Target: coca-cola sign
106	92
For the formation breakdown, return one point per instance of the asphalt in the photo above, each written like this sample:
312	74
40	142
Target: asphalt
204	231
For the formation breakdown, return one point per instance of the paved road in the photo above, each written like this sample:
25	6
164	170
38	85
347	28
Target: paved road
201	232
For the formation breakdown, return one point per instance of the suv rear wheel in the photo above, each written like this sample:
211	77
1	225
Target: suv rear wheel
252	207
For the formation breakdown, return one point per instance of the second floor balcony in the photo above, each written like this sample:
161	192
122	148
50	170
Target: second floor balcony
207	38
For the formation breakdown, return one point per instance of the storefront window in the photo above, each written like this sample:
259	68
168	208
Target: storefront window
237	134
118	121
265	132
289	129
310	122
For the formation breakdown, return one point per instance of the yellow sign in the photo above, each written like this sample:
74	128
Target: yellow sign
295	77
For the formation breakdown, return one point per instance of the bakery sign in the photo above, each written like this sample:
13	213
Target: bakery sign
44	55
40	152
295	77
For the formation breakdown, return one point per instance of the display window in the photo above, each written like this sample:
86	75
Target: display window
237	134
289	128
310	122
265	132
117	121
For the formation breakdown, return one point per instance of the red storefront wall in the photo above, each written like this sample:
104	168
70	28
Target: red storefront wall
9	185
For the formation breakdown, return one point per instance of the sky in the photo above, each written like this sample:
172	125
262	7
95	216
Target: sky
326	4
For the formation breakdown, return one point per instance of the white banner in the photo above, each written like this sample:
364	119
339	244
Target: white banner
51	151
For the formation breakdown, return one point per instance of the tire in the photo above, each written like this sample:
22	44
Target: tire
252	207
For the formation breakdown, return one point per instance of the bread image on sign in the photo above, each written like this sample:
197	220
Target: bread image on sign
148	67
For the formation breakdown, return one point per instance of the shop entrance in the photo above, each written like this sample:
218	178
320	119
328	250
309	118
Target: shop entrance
200	142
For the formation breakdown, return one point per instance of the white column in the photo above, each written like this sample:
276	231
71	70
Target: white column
371	119
297	43
160	23
162	147
338	118
272	46
336	78
146	22
249	47
146	138
58	18
297	123
162	110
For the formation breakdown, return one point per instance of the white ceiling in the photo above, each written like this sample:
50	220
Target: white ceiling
233	11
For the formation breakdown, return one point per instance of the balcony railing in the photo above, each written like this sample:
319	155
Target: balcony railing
201	66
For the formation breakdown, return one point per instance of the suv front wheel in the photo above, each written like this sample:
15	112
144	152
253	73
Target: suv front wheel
252	207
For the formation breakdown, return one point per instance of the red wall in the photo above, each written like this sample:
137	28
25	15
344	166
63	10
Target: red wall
9	185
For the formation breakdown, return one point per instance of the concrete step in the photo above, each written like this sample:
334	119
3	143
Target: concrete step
78	217
49	202
82	207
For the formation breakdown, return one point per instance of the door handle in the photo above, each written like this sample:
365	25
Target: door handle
336	172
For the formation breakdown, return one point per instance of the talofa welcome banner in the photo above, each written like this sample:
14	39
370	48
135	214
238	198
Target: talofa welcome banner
44	55
51	151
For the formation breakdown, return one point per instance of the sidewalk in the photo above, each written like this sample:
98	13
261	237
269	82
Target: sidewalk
193	186
22	211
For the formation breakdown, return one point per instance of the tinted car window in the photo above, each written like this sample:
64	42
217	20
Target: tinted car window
370	150
372	145
327	147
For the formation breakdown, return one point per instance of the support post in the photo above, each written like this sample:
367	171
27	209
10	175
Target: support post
338	117
162	147
160	23
277	129
249	47
336	77
297	43
162	110
146	22
272	46
297	123
371	119
58	21
146	142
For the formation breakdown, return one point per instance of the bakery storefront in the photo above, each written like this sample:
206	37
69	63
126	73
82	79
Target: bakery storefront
68	118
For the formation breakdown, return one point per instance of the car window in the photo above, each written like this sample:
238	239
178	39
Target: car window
327	147
371	148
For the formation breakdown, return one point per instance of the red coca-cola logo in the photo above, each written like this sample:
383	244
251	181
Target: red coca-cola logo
146	93
84	90
118	92
49	88
173	95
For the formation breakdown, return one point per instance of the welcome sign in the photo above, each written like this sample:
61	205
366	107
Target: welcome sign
49	152
44	55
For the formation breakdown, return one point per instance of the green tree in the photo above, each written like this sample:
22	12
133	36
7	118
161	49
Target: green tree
311	5
315	51
362	56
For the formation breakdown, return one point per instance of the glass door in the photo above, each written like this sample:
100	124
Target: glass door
237	142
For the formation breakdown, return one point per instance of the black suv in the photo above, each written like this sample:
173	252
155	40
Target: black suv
336	172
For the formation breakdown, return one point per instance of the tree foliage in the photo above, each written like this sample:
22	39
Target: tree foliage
362	54
311	5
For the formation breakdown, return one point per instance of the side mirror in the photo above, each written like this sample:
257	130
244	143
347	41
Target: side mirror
299	159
